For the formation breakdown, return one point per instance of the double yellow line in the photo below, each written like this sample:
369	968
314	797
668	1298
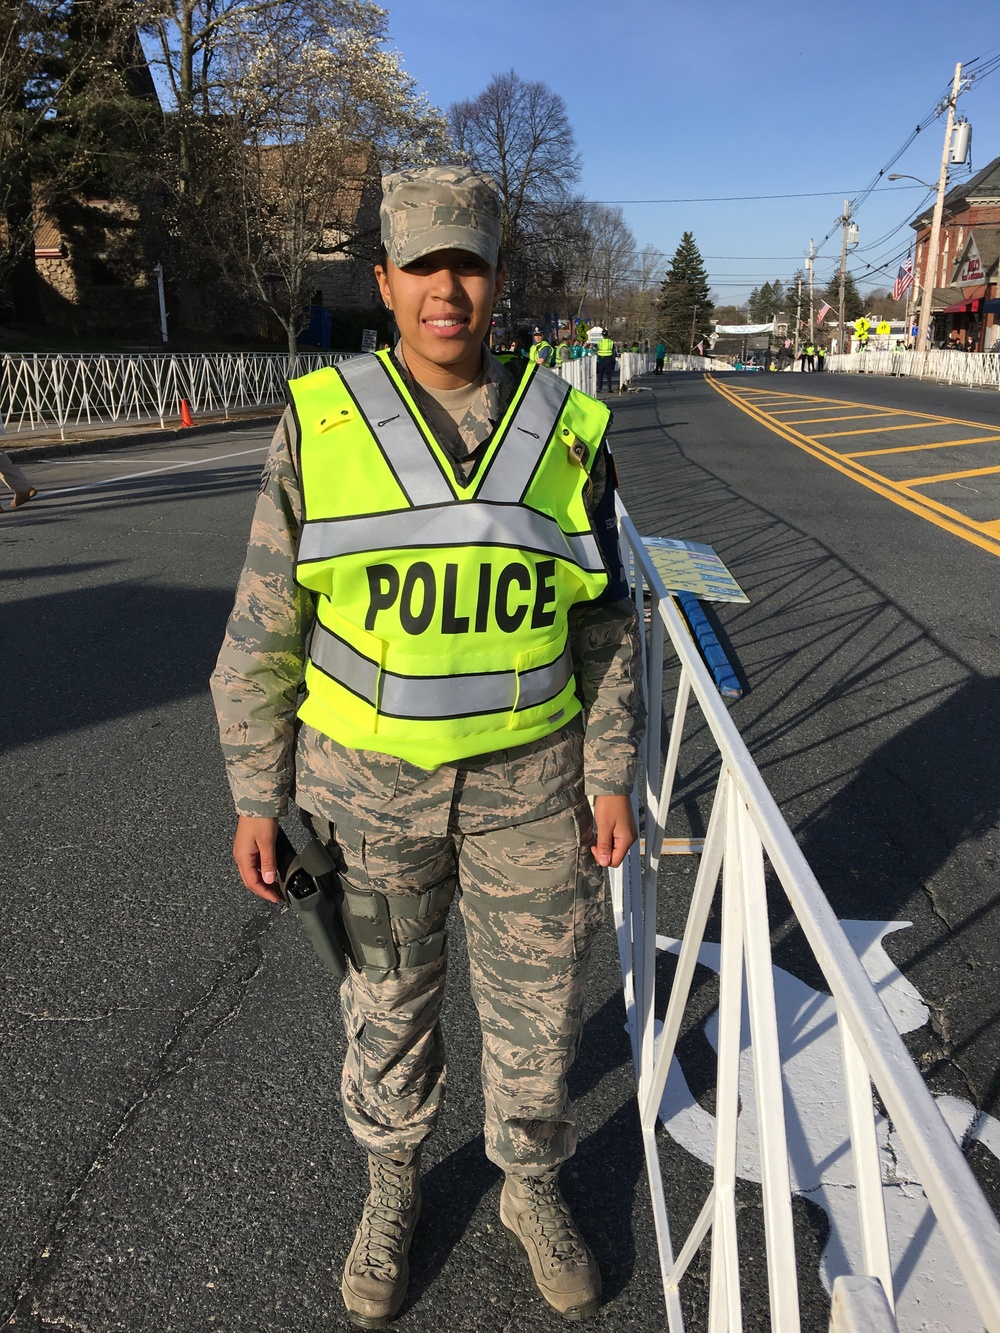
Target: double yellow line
951	520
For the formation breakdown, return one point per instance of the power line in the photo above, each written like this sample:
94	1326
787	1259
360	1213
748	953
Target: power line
743	198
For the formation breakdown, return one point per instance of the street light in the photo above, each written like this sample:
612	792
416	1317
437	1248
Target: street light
897	176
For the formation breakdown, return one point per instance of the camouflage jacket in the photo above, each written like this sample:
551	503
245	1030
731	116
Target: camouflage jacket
257	679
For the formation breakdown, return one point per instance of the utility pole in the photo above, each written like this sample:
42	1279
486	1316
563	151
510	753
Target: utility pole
843	270
798	315
911	297
158	270
811	265
694	325
930	268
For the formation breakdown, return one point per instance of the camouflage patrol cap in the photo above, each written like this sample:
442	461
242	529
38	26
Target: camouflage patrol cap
439	208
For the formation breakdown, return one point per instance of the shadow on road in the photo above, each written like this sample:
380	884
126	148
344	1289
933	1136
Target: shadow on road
75	658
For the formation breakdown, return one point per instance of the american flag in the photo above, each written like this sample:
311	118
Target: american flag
822	312
904	279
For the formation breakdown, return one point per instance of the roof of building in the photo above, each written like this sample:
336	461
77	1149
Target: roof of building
983	185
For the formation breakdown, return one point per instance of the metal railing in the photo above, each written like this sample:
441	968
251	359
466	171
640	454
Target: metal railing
633	364
975	369
60	390
745	827
581	373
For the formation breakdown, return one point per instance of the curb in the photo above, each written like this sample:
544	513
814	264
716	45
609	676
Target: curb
96	444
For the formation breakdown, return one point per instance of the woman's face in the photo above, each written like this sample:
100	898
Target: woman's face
442	304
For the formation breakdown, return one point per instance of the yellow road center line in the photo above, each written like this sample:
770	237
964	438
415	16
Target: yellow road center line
950	476
845	402
799	407
853	416
877	430
977	534
758	394
919	448
758	402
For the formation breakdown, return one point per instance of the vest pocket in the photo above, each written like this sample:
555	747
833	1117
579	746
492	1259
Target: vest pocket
541	675
351	656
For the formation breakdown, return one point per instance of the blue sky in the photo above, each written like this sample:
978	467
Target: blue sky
672	100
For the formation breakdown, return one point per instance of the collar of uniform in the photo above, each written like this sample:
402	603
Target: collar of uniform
498	385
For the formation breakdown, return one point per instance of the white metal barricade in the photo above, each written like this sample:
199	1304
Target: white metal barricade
975	369
581	373
746	826
72	389
633	364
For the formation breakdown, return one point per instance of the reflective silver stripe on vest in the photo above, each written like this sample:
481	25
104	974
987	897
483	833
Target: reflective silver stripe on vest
526	440
469	523
398	436
430	698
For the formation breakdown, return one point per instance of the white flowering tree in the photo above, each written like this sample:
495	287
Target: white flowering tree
312	126
286	113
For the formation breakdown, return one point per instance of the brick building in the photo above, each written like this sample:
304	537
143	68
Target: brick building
966	301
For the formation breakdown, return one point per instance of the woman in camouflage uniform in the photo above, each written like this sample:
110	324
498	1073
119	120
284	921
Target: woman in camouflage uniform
511	831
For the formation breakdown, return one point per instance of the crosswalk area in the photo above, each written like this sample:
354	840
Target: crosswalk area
943	468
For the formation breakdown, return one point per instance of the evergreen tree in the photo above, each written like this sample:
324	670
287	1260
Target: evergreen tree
853	304
765	302
685	304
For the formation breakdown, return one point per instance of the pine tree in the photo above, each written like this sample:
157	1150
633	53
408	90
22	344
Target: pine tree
853	304
767	301
685	304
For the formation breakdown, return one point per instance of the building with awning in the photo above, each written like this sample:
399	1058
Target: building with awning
966	302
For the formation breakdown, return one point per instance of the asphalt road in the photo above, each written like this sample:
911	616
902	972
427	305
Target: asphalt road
172	1154
870	645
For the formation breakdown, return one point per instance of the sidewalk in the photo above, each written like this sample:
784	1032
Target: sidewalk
46	442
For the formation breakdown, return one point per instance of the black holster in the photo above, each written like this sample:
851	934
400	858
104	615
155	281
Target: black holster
311	887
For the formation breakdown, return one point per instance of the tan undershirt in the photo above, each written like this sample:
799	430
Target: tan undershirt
445	410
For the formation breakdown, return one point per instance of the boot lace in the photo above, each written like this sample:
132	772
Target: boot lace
553	1223
385	1220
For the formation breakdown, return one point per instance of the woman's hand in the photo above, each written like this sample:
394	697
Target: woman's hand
616	830
253	850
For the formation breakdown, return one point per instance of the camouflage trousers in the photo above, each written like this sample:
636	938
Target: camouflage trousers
532	899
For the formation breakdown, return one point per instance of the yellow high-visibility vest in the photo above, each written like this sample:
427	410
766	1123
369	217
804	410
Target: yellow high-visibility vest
606	347
536	348
441	617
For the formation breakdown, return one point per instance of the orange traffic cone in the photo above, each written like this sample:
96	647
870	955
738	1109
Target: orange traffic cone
185	414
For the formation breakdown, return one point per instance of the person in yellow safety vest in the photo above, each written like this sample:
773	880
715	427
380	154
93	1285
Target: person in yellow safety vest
810	357
820	357
564	350
541	350
605	363
434	553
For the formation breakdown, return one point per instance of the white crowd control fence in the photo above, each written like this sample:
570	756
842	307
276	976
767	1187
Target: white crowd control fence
581	373
975	369
633	364
72	389
744	828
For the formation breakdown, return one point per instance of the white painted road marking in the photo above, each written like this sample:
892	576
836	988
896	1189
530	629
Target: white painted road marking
150	472
931	1295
